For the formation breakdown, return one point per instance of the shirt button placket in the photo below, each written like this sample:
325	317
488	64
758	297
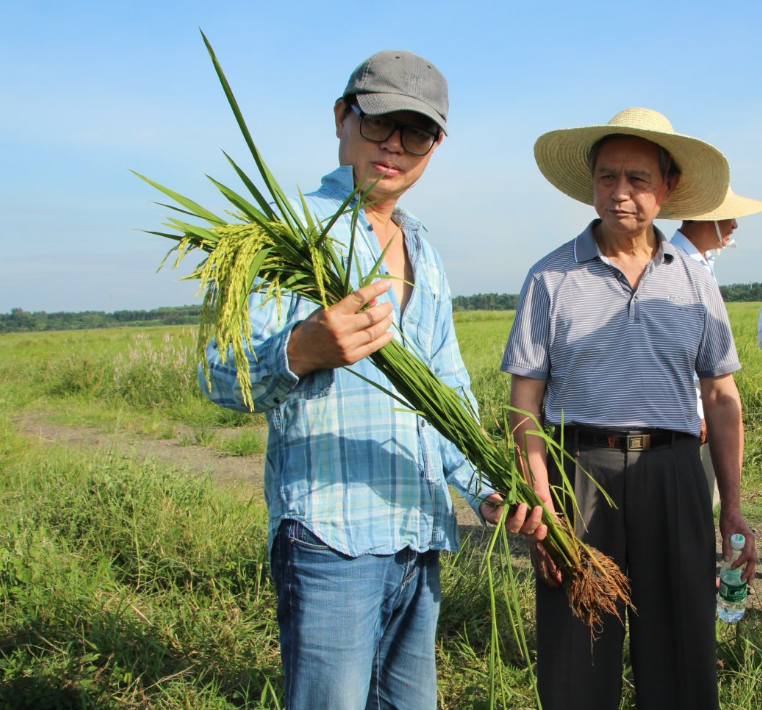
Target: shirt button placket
421	427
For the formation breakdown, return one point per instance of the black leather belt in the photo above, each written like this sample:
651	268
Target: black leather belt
631	440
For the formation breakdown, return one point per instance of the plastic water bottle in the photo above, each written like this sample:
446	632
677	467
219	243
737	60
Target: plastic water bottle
731	599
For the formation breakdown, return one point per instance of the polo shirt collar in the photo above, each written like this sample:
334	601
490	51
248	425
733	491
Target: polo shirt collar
586	249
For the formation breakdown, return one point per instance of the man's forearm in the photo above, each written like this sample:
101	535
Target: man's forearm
527	395
726	447
722	407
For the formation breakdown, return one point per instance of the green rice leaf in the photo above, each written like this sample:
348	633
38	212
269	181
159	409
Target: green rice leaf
274	189
241	203
194	207
193	229
258	196
256	265
175	208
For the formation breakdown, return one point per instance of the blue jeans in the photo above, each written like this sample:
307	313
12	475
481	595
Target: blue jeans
355	633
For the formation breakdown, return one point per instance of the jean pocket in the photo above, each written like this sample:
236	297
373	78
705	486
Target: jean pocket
299	534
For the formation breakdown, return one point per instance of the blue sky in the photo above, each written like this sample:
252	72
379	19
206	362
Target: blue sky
89	90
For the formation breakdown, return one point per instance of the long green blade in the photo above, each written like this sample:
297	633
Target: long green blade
194	230
194	207
240	202
275	190
258	196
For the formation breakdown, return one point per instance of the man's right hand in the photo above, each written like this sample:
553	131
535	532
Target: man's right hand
703	435
535	531
546	569
341	335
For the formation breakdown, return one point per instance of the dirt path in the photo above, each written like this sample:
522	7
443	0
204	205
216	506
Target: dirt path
175	451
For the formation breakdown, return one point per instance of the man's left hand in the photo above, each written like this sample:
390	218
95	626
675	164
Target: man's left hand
732	522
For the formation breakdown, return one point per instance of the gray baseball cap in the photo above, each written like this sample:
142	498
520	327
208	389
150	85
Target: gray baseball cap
395	80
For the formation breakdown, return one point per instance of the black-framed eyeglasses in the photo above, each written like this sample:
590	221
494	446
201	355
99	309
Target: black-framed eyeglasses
414	139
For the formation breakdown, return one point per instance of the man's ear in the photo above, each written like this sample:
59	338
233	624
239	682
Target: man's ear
439	139
672	184
340	115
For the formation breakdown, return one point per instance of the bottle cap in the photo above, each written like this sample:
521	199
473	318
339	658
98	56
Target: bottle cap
737	541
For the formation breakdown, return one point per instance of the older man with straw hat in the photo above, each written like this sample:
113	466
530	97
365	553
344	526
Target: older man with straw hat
609	330
701	239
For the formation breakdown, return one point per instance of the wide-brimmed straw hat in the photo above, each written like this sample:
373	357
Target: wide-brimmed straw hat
732	207
562	154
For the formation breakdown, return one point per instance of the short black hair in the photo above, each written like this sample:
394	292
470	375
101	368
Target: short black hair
349	101
667	166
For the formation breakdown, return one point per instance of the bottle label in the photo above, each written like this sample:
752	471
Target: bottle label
732	592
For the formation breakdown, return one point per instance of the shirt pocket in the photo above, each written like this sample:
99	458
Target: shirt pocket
676	327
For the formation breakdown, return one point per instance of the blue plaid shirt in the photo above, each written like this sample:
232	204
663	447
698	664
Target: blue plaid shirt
342	457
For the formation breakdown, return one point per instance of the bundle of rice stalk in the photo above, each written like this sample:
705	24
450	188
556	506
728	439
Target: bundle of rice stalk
276	249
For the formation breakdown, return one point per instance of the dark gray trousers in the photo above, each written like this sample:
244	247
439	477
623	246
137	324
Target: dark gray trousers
662	537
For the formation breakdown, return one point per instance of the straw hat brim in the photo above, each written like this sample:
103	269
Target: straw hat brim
732	207
562	154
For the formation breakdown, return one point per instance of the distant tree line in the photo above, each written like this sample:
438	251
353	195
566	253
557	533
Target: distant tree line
19	320
509	301
742	292
486	302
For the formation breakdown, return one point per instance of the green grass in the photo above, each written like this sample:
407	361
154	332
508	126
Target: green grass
246	443
133	585
122	378
130	585
126	584
482	336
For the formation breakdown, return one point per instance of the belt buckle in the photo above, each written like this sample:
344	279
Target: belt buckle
638	442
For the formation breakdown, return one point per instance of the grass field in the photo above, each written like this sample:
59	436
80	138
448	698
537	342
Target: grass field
131	583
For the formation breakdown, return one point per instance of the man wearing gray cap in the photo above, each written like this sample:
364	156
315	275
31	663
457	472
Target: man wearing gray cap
356	487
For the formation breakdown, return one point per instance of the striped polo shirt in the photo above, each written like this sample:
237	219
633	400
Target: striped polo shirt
612	356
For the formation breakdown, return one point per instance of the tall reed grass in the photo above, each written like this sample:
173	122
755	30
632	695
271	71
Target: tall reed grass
147	374
105	377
